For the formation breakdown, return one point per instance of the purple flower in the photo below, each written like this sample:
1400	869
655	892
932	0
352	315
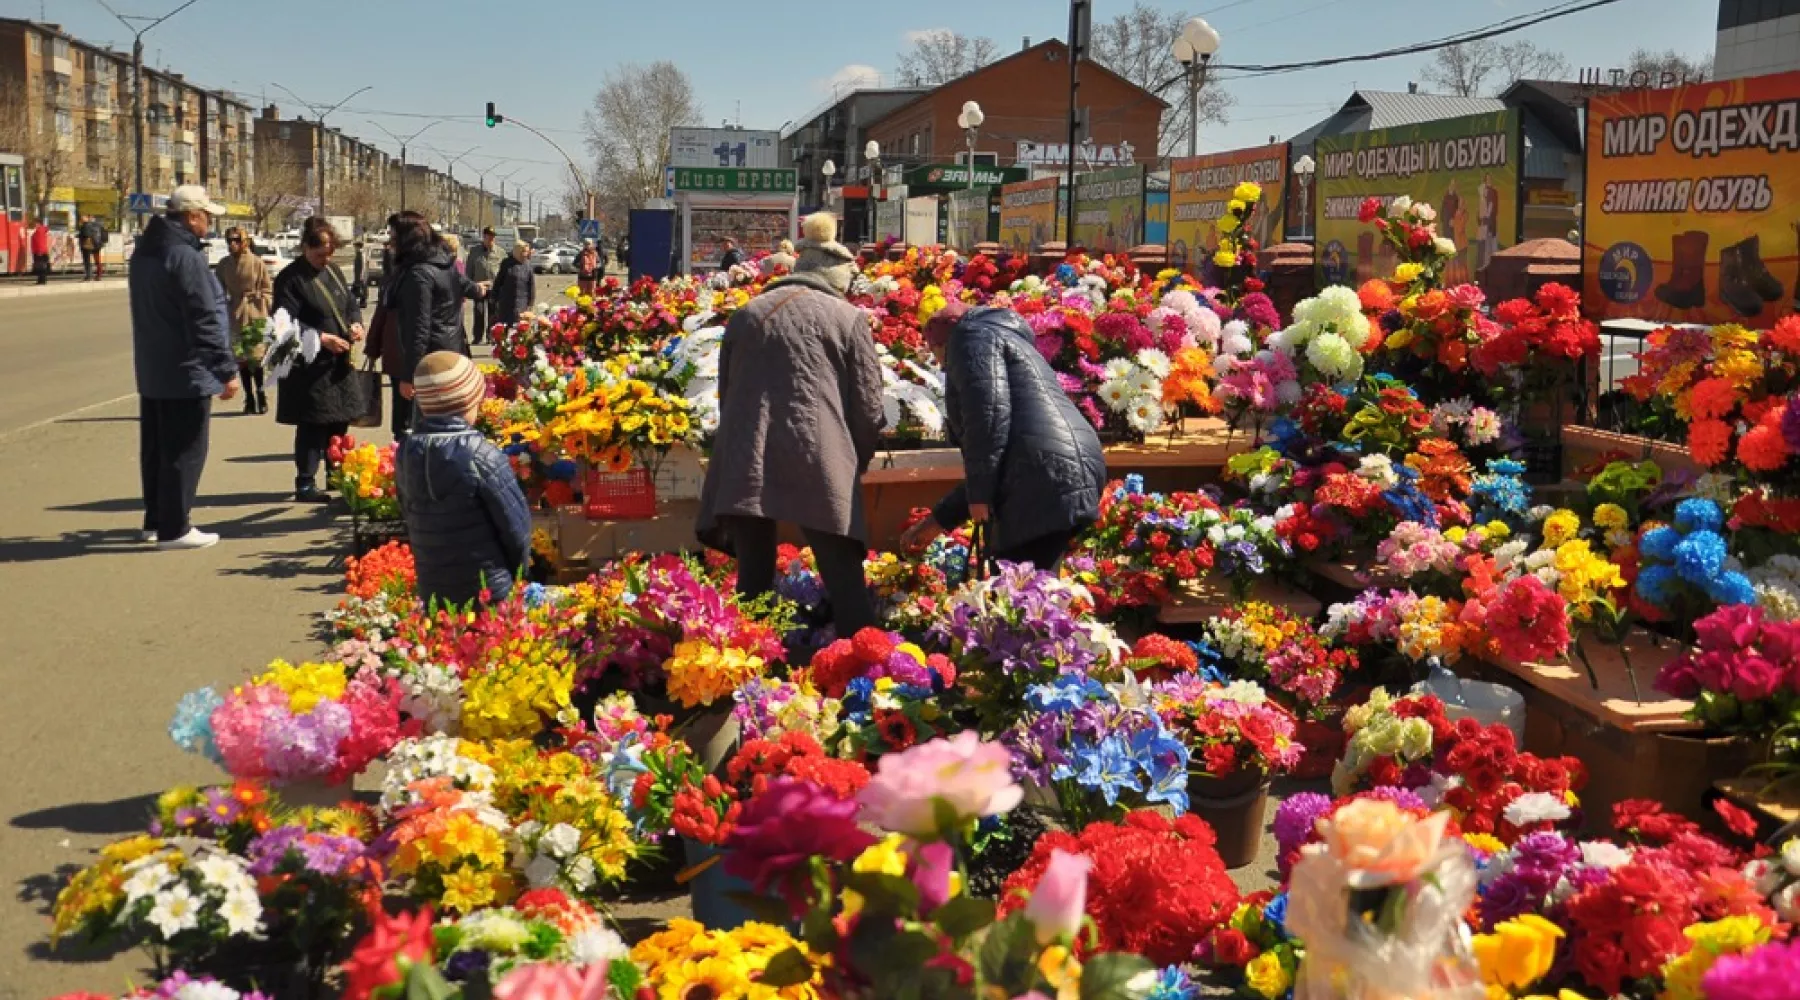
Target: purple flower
1296	817
1405	798
1545	852
1767	973
1790	424
1506	897
320	853
780	830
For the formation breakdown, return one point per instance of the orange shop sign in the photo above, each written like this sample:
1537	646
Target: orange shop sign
1693	202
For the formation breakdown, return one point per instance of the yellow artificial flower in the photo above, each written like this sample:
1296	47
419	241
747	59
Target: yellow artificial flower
1267	976
1225	258
1712	941
1486	843
1611	516
1228	223
1518	952
1408	272
1560	526
466	890
1248	192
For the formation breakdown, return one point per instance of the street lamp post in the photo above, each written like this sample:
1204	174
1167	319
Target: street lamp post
403	143
970	120
828	169
137	79
319	133
1194	48
1303	169
456	209
872	153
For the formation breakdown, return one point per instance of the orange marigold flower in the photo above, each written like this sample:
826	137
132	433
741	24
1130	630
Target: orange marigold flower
1708	441
1763	450
1712	398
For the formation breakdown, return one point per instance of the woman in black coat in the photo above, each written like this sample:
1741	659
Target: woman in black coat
319	398
515	286
426	294
1032	464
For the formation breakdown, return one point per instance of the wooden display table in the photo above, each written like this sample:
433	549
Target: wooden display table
1208	596
899	481
1584	446
1780	806
1632	748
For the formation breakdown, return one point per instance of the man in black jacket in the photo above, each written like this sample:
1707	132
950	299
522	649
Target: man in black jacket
1033	468
181	348
732	257
92	237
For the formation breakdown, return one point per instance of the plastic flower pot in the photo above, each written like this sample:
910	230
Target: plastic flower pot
1236	807
714	734
1324	741
710	888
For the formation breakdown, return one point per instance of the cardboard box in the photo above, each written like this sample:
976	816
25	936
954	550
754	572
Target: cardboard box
680	475
590	543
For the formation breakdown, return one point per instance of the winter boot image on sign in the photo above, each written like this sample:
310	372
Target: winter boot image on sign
1686	287
1744	283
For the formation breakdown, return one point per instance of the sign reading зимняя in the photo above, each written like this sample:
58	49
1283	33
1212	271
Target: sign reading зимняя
771	180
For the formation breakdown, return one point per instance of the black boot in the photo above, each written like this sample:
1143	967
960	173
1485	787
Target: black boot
307	491
262	402
250	402
1756	274
1735	286
1686	287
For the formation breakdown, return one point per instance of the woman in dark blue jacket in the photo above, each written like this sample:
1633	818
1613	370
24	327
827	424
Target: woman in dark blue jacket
466	517
1032	464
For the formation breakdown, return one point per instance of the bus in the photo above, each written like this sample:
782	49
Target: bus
528	232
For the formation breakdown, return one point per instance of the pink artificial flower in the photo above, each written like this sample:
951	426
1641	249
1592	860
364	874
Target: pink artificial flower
1057	904
553	982
1466	296
962	778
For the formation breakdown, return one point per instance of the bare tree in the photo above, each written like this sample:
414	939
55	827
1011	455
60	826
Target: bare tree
628	130
1138	45
939	55
1465	69
1667	65
360	199
29	129
274	182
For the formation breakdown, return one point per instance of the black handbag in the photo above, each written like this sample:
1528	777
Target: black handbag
372	412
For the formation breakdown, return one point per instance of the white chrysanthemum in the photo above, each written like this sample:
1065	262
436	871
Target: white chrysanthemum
242	911
597	945
1144	413
1154	361
1118	369
1377	469
1536	807
175	910
1333	356
147	881
1116	394
1144	383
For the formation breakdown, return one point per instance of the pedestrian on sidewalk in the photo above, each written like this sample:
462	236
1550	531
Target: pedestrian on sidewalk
1032	464
732	256
800	416
319	398
248	292
383	344
181	348
479	267
359	274
40	251
588	267
515	286
466	517
428	294
92	235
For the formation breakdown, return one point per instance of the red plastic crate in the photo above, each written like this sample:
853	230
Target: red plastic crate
620	496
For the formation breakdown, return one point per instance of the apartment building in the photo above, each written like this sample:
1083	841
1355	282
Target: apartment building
66	111
361	179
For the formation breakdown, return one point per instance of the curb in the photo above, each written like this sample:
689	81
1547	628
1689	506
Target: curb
62	288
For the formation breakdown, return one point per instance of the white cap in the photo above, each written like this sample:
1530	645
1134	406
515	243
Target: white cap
193	198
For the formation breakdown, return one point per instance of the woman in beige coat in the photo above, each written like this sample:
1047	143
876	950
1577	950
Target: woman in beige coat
248	291
800	417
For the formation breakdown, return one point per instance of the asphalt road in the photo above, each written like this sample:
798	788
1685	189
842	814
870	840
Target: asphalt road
63	353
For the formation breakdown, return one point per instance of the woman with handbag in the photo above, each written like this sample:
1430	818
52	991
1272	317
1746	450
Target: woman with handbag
322	397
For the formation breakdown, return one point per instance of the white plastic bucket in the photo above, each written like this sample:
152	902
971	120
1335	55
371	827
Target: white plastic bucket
1483	701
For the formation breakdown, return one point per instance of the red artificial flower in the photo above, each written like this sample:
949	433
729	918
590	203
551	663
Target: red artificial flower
1736	819
1229	946
391	941
1368	210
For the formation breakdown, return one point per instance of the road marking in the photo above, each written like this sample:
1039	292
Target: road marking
7	435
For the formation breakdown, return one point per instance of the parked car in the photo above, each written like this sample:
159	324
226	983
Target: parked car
216	250
555	260
274	258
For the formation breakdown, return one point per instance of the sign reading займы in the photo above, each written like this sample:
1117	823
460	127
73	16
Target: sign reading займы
942	178
1466	168
738	180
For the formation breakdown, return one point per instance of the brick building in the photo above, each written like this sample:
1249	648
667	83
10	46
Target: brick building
1025	97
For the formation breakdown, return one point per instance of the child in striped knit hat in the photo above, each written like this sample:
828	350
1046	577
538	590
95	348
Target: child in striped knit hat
466	517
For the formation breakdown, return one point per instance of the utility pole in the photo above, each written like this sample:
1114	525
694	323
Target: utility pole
137	78
494	119
319	135
456	208
403	144
1081	14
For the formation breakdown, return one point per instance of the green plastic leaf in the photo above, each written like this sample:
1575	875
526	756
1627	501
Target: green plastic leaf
888	955
1006	955
1117	976
962	916
789	967
884	894
423	982
818	931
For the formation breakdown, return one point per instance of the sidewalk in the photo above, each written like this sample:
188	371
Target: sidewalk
28	288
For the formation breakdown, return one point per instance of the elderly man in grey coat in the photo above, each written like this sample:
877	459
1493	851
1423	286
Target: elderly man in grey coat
800	417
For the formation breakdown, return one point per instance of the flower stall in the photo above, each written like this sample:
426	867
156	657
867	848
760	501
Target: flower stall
1230	745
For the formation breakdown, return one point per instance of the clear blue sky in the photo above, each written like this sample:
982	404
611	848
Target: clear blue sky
768	62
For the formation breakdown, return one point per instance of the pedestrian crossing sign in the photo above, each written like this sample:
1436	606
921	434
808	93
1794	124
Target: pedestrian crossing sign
139	203
590	229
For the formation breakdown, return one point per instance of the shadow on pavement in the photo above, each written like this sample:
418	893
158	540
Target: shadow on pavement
323	559
115	817
126	505
116	541
97	420
72	544
269	459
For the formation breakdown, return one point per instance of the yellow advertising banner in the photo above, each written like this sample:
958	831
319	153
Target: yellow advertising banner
1466	168
1109	210
1693	203
1200	187
1028	214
